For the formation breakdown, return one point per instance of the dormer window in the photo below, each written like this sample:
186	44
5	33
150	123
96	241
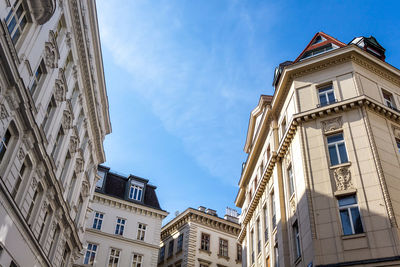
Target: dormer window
319	50
136	190
388	99
318	40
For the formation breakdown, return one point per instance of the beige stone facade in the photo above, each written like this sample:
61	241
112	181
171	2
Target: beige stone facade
199	238
53	120
321	183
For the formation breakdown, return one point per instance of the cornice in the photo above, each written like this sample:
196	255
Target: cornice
298	119
126	205
120	238
195	216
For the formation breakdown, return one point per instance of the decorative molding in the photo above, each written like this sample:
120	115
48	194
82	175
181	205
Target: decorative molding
332	124
396	131
293	205
51	53
85	189
342	178
42	10
68	39
3	112
34	183
67	119
79	165
21	154
73	143
12	98
60	86
28	140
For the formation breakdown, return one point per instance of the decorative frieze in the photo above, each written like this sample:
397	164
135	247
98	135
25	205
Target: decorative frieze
342	178
51	53
79	165
396	131
21	154
332	124
28	140
67	119
60	86
3	112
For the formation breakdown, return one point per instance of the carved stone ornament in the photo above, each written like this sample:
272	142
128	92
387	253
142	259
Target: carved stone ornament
75	72
3	112
332	124
45	204
34	183
73	144
21	154
27	140
342	178
67	119
42	10
67	233
85	189
59	214
51	54
293	205
60	86
40	171
54	225
12	98
79	165
396	131
50	194
68	39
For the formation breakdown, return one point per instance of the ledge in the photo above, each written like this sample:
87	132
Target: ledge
346	164
205	251
355	236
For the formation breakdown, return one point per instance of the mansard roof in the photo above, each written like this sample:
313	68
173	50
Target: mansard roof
117	185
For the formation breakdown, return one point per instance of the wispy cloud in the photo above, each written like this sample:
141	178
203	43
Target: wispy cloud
187	69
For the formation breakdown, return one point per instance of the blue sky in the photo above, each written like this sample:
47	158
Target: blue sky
183	76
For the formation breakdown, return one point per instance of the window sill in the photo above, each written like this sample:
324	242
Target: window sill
354	236
224	257
346	164
349	191
238	261
205	251
178	252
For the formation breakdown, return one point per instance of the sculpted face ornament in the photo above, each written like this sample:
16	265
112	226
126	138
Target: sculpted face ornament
342	178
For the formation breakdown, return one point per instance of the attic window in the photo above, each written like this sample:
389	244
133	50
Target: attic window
319	50
318	40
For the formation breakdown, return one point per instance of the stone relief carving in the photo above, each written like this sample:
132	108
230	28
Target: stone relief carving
85	189
396	131
51	52
332	124
79	165
68	39
27	140
21	154
42	10
12	98
67	119
3	112
34	183
342	178
60	85
73	144
293	205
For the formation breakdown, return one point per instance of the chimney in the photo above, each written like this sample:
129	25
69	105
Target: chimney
201	208
211	212
231	215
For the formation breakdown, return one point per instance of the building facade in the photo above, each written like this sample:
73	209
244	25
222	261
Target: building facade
199	238
53	120
123	228
321	183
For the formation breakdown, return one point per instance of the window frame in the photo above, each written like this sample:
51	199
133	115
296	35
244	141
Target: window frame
337	151
141	232
205	242
120	226
349	208
291	182
137	263
90	254
179	243
112	257
38	77
135	195
388	102
398	144
97	220
12	15
296	240
326	90
223	250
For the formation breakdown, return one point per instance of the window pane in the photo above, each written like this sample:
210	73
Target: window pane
322	99
342	152
11	25
355	214
325	89
350	200
346	226
335	138
333	155
331	97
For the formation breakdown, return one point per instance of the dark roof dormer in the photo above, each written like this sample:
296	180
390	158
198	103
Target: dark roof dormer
279	70
370	45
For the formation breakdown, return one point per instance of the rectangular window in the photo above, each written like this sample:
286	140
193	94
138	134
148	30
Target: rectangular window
350	215
135	192
64	260
326	95
258	236
398	144
40	71
283	127
273	208
58	142
223	247
19	179
276	256
337	149
170	248
16	21
388	99
296	240
119	228
180	243
238	252
266	233
4	143
141	231
252	246
51	108
90	255
291	181
98	220
162	254
137	260
205	242
113	260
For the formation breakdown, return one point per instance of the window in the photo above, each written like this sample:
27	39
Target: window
58	142
64	260
296	240
114	257
266	233
99	183
98	220
326	95
137	260
40	71
19	178
135	192
162	254
238	252
268	152
205	242
283	127
276	256
398	144
90	254
141	231
119	228
319	50
223	247
16	21
337	149
252	245
273	208
388	99
51	108
4	143
180	243
71	188
13	264
32	205
60	27
291	181
44	222
350	215
170	248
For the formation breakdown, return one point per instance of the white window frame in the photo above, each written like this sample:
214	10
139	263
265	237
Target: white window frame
388	102
136	189
206	242
296	237
326	93
336	145
291	180
112	257
98	220
120	226
38	76
12	14
141	232
135	262
91	252
348	209
223	247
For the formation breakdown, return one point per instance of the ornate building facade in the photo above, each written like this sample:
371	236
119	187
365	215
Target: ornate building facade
53	120
199	238
123	228
321	183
